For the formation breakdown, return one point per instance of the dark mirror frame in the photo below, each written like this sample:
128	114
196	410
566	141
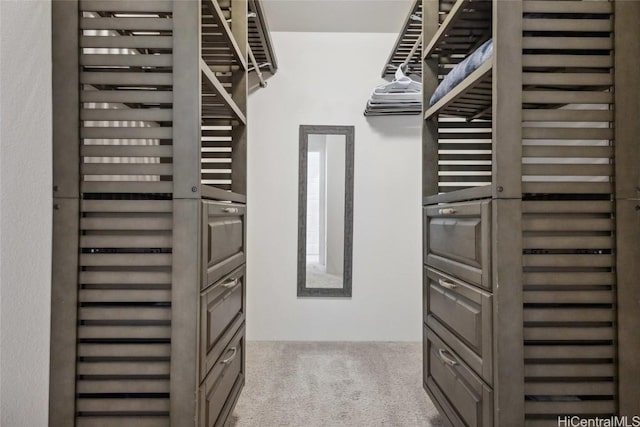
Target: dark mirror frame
349	133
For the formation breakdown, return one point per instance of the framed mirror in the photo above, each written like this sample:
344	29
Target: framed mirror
325	211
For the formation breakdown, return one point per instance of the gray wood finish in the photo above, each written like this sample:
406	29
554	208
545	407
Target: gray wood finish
349	133
130	223
627	158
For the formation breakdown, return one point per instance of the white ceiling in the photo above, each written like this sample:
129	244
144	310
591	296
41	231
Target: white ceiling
361	16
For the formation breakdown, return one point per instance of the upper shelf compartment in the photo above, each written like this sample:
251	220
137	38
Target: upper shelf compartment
219	47
217	104
465	27
260	38
470	99
408	44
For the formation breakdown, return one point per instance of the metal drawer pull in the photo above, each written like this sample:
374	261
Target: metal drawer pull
233	350
231	283
230	210
446	284
449	360
447	211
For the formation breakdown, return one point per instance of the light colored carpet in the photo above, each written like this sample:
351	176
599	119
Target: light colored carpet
328	384
317	277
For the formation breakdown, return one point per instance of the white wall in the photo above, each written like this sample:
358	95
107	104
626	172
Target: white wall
325	79
25	211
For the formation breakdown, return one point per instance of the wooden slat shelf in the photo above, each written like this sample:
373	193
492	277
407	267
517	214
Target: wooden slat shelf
465	27
409	36
260	39
218	43
470	99
212	192
217	103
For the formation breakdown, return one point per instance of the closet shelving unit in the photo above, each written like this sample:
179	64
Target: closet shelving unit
530	208
408	45
148	289
260	38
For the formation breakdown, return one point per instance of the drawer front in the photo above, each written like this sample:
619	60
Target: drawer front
223	239
457	240
222	308
219	391
464	309
465	399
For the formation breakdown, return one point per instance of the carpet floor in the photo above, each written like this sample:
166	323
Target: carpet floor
329	384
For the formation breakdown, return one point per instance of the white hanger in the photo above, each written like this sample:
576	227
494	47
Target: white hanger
400	84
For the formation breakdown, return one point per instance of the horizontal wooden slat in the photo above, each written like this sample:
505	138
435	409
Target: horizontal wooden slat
128	96
566	115
570	370
566	169
123	206
566	97
564	6
165	151
126	132
582	388
571	151
124	295
561	334
564	43
569	297
122	405
565	223
127	114
124	277
126	168
126	23
123	386
567	79
570	61
568	260
567	242
126	241
120	421
124	332
130	42
123	368
110	60
126	79
570	351
582	133
126	187
138	6
124	350
582	24
567	187
562	314
124	313
124	260
567	206
576	407
568	278
163	222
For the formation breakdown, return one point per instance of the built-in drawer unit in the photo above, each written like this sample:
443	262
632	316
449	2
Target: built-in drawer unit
458	240
222	309
221	388
455	388
463	309
223	242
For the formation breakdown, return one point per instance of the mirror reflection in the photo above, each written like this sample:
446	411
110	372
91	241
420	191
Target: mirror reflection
326	199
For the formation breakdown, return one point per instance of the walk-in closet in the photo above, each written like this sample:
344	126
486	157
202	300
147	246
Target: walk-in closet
319	213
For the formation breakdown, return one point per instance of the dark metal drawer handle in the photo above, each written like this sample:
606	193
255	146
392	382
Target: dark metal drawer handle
446	284
228	360
230	283
449	360
230	210
446	211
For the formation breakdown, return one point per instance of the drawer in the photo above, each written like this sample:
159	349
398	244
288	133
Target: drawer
464	310
458	240
456	389
222	309
219	391
223	239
